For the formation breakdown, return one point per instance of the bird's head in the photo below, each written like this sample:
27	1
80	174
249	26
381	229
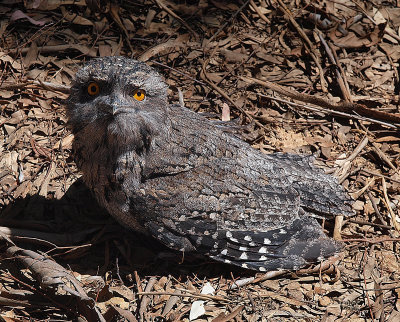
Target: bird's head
119	98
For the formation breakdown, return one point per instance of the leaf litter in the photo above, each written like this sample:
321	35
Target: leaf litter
296	76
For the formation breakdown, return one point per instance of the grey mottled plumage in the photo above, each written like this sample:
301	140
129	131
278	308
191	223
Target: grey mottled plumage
166	171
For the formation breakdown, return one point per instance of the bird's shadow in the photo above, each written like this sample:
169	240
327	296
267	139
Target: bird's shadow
98	243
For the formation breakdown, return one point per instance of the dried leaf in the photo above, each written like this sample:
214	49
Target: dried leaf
18	14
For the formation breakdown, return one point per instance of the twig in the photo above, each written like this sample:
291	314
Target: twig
282	298
179	72
338	227
380	175
372	240
342	107
378	151
345	92
46	238
387	202
188	294
329	112
383	156
204	76
382	288
114	12
308	43
138	282
91	52
377	212
257	9
153	51
332	47
53	277
364	222
45	85
357	194
229	21
163	6
346	162
324	267
37	291
242	282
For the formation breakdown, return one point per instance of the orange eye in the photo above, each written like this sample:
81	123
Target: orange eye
93	89
139	94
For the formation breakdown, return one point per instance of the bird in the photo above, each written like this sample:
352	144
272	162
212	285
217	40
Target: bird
173	174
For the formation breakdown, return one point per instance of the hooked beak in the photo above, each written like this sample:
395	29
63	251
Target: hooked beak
116	109
116	103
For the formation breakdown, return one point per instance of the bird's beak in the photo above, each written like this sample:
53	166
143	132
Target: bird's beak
115	109
116	103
